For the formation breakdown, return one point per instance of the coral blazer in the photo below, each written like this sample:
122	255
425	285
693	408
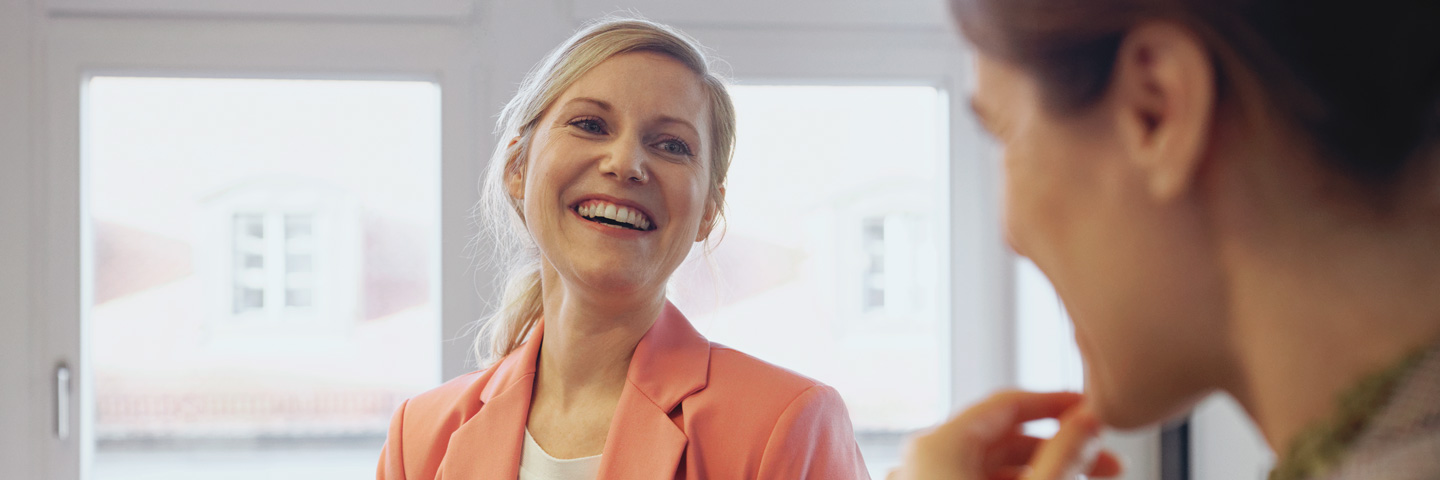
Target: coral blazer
689	409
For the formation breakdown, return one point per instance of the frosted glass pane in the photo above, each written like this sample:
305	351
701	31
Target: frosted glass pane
832	259
264	272
1047	358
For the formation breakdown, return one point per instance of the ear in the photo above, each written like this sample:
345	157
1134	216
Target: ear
712	213
1164	86
514	173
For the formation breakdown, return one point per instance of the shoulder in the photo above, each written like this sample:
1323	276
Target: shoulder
437	412
421	427
764	394
732	370
770	422
453	393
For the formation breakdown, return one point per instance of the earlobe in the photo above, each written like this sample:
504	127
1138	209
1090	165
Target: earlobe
514	172
515	184
712	214
1165	86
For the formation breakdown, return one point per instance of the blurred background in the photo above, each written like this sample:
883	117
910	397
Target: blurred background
235	235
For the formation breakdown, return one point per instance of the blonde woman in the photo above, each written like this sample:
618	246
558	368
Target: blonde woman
619	145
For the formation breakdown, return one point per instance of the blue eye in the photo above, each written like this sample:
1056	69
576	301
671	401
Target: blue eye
676	147
589	125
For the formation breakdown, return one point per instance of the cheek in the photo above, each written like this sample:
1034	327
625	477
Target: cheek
1039	192
687	200
546	173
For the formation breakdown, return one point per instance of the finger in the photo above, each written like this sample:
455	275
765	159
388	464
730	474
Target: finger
1008	473
1015	451
1072	448
1009	457
1106	465
958	447
1001	413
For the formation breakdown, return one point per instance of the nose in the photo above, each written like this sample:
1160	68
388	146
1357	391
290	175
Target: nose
625	162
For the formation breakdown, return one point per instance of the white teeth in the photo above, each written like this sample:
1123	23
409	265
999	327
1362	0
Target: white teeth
626	215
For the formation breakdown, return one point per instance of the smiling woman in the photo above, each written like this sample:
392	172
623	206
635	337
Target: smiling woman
621	141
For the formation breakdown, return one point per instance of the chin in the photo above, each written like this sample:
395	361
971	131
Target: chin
1137	407
1121	417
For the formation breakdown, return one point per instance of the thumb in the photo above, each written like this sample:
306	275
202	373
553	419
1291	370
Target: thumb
1072	450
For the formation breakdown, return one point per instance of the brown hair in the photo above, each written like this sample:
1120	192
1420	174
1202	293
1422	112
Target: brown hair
1360	79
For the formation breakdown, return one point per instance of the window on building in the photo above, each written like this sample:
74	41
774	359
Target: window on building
274	263
872	285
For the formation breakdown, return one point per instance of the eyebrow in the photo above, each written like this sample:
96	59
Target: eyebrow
597	102
682	122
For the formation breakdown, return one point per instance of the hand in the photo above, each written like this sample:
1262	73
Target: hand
987	442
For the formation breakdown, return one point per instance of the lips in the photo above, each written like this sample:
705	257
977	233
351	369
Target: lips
614	214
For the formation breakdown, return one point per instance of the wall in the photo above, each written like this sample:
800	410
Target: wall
16	424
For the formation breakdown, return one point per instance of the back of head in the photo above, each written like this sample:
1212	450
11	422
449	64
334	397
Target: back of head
1360	80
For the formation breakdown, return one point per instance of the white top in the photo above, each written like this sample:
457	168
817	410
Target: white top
535	464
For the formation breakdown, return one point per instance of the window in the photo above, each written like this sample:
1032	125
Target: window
266	311
1047	358
278	250
888	292
277	242
872	286
831	262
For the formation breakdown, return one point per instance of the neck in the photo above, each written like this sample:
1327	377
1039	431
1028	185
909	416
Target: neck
588	343
1313	316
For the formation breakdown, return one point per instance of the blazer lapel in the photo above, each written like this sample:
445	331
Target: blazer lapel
671	362
488	445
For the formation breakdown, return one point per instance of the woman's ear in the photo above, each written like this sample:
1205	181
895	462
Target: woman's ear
514	173
712	214
1164	93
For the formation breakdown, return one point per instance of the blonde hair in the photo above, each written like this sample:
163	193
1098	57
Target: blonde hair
502	217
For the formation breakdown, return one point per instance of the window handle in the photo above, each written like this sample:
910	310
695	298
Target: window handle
62	401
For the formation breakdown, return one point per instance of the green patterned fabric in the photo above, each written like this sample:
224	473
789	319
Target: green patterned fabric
1321	447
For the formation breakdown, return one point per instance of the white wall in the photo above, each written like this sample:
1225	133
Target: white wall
16	424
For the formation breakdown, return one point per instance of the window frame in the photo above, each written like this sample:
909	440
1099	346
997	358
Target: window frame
77	48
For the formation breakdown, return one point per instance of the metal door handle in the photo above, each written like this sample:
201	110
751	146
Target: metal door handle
62	401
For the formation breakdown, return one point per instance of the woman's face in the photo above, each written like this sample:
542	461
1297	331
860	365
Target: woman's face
615	183
1131	270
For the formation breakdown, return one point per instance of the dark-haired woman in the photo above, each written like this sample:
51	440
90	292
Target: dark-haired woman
1234	196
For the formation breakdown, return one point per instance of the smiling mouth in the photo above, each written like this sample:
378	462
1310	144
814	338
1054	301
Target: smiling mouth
612	215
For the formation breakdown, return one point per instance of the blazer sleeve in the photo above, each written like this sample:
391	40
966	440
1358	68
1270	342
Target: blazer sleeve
813	439
392	460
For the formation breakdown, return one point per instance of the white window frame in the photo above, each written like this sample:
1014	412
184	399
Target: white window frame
80	46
